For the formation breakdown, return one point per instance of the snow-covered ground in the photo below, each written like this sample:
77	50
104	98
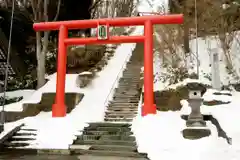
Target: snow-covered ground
160	135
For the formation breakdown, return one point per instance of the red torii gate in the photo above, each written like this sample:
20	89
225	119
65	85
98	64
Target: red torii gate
59	108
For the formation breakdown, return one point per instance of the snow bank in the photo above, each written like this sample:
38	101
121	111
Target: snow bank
16	107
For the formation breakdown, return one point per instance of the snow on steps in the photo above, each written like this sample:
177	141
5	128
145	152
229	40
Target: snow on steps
107	139
24	138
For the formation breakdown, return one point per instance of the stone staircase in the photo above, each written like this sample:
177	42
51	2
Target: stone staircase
114	137
124	106
21	141
107	139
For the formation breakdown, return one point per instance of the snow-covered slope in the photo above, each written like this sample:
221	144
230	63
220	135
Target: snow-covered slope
206	47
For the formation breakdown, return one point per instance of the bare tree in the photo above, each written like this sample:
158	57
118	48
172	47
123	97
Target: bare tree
40	13
224	22
111	8
169	43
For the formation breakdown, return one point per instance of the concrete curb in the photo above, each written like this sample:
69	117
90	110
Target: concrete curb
54	151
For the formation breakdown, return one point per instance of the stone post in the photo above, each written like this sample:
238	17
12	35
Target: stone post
216	83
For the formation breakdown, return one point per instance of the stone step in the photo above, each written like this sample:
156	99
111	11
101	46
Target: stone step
126	89
106	137
28	129
127	94
107	124
113	103
134	73
125	79
130	78
116	116
118	119
18	151
125	101
131	92
132	85
132	69
123	105
121	112
25	134
129	82
118	129
122	109
129	67
108	153
134	63
137	61
111	129
119	95
97	132
129	85
105	147
122	95
19	138
14	145
106	142
126	98
114	148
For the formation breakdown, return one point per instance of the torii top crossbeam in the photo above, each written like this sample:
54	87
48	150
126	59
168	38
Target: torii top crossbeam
126	21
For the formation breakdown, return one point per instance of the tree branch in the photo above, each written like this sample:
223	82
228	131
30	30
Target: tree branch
94	5
45	12
39	11
34	8
58	10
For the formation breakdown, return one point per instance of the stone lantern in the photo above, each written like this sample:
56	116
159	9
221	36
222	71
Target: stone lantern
195	125
195	119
